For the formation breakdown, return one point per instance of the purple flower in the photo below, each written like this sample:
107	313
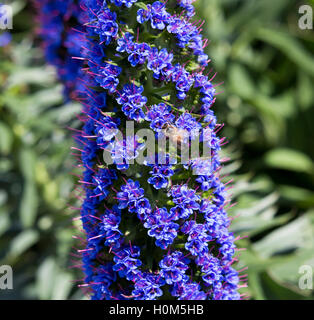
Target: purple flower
161	173
125	43
160	62
127	3
187	5
187	122
144	15
129	192
173	268
159	115
108	79
158	181
132	101
148	288
5	39
183	81
103	180
143	208
123	152
106	26
126	261
188	291
102	281
139	54
106	132
161	227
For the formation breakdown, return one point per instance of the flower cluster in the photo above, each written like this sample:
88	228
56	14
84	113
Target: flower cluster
109	227
187	33
109	77
103	179
159	222
211	268
102	282
160	175
132	197
187	122
106	130
188	291
173	268
123	152
159	115
106	26
188	6
162	227
126	262
198	239
217	222
187	219
162	171
137	52
148	287
156	14
62	45
132	101
159	62
186	201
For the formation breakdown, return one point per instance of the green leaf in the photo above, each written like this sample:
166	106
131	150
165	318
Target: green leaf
258	206
141	5
303	197
255	288
288	270
17	6
4	221
258	216
65	113
29	204
62	286
273	290
282	106
22	242
289	46
305	91
27	161
240	81
297	234
40	76
6	138
45	278
289	159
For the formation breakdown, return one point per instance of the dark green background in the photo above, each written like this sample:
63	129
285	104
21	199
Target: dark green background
267	65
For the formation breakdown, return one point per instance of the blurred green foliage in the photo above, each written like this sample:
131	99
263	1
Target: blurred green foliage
267	105
267	65
35	172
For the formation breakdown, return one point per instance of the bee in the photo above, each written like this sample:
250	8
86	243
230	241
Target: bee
176	136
